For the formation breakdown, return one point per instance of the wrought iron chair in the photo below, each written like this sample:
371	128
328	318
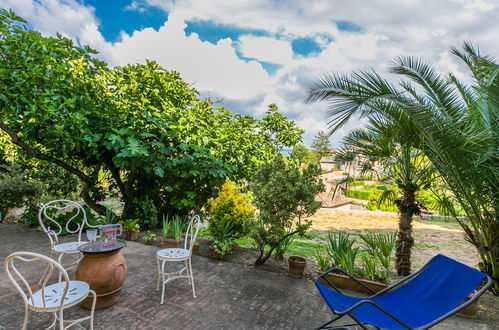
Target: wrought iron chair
54	298
57	248
419	301
179	255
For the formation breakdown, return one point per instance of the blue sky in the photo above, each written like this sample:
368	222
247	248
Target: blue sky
247	54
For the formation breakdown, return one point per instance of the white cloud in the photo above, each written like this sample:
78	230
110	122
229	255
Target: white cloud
266	49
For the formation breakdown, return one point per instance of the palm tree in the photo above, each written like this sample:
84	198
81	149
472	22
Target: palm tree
388	148
458	125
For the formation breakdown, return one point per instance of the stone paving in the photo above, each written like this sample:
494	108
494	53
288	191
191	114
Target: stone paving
229	296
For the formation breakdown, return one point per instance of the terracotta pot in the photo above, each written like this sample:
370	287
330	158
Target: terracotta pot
131	235
149	241
296	266
215	255
195	249
470	310
105	273
345	282
168	243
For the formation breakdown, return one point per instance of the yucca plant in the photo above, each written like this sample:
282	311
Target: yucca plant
340	248
456	126
381	247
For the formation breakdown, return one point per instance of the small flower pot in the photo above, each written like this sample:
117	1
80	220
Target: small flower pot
470	310
149	241
169	243
215	255
195	249
296	266
131	235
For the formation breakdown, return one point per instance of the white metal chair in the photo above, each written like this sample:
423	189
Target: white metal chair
56	248
54	298
179	255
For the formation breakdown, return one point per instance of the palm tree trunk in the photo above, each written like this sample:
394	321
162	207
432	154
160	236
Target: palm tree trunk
406	205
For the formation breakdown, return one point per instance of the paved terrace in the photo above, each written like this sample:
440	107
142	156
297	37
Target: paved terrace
229	296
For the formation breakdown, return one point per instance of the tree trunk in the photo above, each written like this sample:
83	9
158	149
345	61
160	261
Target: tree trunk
407	205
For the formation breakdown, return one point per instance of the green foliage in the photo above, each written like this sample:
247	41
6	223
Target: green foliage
380	247
301	155
15	190
283	247
285	195
131	225
174	226
144	210
149	236
222	237
321	145
339	247
359	194
231	206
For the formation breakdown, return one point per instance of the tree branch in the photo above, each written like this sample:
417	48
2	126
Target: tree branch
37	154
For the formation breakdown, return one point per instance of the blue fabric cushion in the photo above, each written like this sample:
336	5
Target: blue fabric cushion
438	289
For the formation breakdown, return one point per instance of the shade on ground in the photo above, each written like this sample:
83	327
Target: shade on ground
229	296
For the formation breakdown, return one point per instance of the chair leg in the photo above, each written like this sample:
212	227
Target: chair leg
159	275
192	279
61	319
187	270
26	316
93	309
163	282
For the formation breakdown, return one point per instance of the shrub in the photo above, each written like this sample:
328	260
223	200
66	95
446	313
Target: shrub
146	212
231	206
359	194
16	191
285	195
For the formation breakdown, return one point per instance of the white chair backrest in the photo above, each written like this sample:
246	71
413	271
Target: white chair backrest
50	209
192	232
20	282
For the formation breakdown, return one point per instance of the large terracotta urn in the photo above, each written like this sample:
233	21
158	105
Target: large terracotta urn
105	272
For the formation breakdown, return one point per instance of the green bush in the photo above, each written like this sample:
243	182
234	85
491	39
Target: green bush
356	183
146	212
359	194
230	206
16	191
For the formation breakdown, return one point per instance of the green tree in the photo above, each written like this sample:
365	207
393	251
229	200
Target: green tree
391	150
285	195
321	144
458	124
302	155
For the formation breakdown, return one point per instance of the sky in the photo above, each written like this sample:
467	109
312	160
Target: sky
247	54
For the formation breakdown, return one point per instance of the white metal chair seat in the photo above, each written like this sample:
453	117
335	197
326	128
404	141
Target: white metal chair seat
69	247
77	291
173	254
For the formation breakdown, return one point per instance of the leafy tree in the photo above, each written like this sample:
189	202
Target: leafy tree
458	124
321	144
285	196
390	149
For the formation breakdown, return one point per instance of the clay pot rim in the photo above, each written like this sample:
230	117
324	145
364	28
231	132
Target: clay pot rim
297	259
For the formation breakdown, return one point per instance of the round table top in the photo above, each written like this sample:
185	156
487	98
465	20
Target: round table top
102	247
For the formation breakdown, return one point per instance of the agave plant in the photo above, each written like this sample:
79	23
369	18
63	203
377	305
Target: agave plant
457	126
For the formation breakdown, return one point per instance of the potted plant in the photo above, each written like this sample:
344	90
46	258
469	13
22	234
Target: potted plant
222	238
131	229
296	265
172	232
195	248
149	238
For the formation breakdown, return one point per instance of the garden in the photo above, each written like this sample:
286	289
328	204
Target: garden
137	146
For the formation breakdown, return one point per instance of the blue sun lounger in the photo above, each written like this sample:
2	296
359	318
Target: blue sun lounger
418	301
